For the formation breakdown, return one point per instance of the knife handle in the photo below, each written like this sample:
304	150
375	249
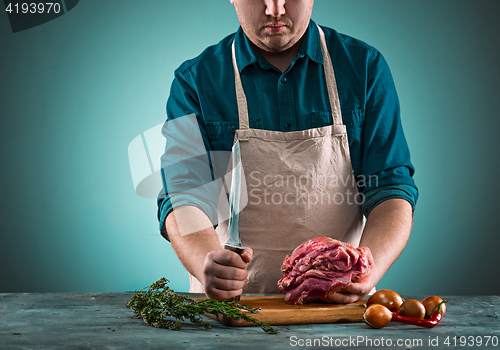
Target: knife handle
237	251
232	248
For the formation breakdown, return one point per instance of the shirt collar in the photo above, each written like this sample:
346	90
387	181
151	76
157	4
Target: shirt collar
247	54
311	45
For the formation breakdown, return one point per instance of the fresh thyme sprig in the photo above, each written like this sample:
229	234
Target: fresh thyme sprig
160	302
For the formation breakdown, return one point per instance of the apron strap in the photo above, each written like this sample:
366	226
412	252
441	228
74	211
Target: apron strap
331	86
240	95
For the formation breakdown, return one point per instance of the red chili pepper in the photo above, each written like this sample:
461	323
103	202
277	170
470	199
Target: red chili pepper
431	322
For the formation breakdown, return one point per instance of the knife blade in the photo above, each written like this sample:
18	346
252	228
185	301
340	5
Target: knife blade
234	242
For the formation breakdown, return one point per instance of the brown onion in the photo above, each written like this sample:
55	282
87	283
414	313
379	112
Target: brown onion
386	297
431	305
377	316
412	308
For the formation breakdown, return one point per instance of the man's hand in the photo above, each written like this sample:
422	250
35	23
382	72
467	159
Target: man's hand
355	291
386	232
225	273
222	272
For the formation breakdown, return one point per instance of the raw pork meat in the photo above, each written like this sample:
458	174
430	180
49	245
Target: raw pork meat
322	266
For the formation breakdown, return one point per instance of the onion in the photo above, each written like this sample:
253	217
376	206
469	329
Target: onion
386	297
377	316
431	305
412	308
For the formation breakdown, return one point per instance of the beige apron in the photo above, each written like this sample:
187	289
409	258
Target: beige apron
300	185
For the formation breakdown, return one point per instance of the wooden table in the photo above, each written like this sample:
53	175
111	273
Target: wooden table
101	321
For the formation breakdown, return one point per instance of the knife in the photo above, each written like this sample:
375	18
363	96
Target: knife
234	242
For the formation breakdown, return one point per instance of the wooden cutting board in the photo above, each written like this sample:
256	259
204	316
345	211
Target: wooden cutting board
275	311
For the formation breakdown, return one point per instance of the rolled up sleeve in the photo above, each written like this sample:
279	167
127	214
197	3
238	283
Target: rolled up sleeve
386	157
186	172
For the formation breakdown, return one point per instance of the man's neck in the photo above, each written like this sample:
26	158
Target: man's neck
281	60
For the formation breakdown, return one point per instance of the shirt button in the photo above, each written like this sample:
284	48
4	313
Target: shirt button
283	80
288	126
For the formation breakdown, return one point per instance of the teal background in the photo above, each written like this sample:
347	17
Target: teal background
76	91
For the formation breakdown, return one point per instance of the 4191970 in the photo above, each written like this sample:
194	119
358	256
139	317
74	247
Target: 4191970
48	7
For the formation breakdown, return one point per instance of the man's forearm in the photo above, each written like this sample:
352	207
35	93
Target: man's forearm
222	272
192	236
386	232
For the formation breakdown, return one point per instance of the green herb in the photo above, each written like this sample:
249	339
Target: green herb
160	302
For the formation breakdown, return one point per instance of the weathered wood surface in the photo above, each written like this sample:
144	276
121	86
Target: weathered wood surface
101	321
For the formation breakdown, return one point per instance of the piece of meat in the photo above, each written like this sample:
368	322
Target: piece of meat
322	266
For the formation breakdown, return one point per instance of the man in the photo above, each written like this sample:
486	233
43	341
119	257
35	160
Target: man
271	88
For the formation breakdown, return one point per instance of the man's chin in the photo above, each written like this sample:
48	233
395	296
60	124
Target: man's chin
276	44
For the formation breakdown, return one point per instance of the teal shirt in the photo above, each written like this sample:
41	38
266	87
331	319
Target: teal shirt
294	100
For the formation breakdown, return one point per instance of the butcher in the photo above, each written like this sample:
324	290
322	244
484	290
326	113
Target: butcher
316	117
